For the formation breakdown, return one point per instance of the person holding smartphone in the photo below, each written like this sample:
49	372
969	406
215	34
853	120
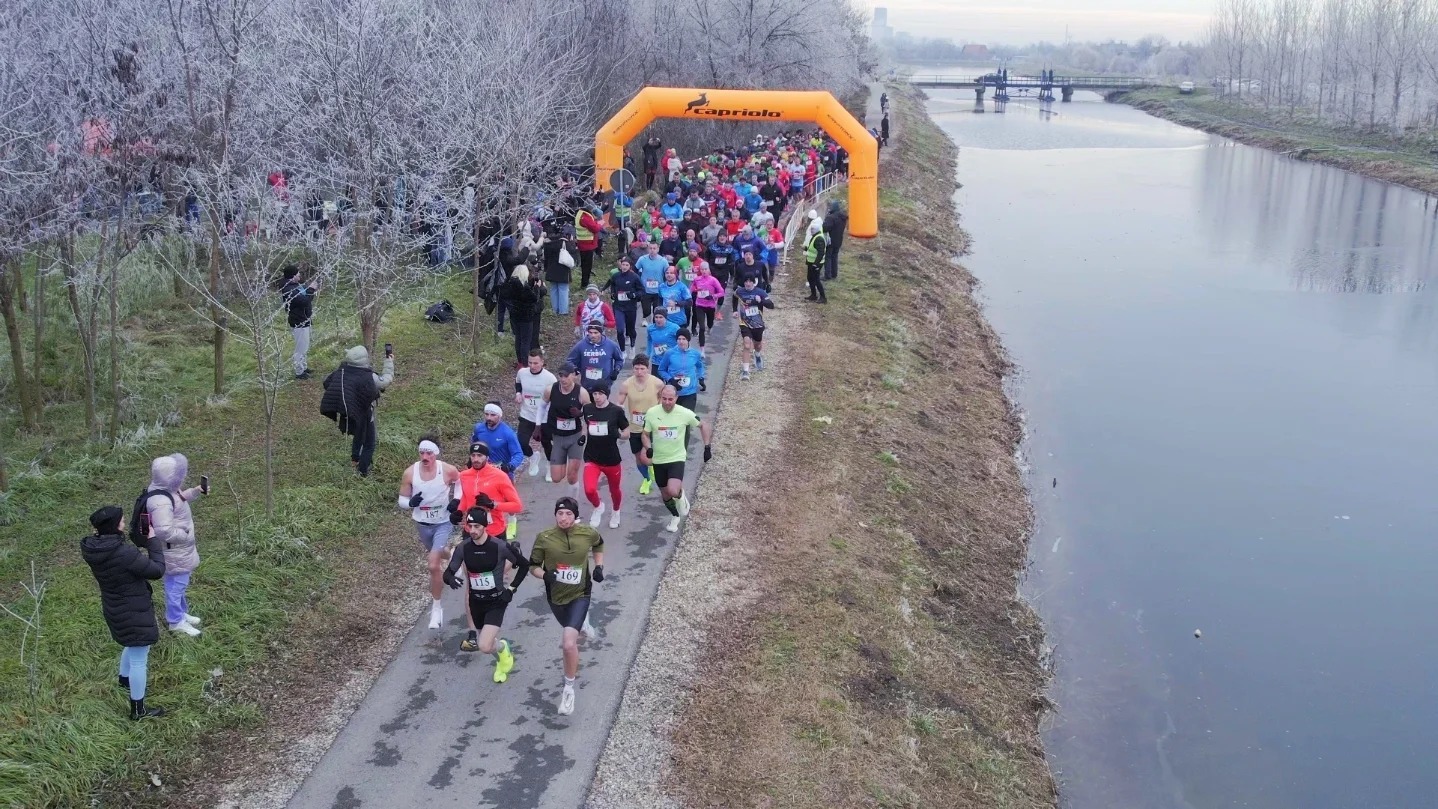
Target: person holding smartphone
351	394
299	300
170	517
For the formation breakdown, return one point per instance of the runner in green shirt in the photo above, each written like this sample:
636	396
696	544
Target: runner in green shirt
666	429
561	557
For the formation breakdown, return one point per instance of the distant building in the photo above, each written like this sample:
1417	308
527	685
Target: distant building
879	29
976	53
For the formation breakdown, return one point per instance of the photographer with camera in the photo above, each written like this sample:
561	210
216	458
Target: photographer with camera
351	393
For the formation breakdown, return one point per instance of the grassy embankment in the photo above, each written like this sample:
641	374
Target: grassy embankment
291	604
1409	161
887	660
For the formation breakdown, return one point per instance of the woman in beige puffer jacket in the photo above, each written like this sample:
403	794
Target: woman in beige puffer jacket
174	525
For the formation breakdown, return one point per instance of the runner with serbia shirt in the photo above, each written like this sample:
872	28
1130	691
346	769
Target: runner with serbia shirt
753	301
597	357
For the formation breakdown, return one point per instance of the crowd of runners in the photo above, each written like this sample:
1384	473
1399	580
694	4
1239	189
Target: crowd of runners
706	245
702	241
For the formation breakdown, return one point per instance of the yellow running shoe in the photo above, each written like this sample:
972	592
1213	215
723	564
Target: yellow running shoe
505	662
511	530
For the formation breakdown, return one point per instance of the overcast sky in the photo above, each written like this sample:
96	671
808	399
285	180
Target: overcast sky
1024	21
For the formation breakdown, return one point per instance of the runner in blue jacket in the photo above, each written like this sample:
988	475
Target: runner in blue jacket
504	449
663	335
683	367
675	298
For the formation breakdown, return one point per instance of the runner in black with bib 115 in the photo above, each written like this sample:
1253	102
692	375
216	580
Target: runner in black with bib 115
485	560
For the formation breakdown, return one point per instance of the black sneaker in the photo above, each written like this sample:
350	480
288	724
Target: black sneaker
305	375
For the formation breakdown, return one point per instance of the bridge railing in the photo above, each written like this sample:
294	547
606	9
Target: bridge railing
1035	81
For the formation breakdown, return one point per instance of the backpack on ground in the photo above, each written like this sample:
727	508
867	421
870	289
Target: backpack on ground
442	312
140	517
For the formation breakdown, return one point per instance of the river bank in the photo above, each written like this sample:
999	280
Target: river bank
1402	162
863	644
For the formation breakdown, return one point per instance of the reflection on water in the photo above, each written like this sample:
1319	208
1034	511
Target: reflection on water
1227	361
1346	233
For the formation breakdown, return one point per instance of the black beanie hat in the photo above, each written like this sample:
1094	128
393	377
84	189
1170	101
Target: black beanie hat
568	503
107	520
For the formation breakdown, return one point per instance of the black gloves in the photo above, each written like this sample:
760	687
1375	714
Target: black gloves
581	440
703	386
505	595
598	573
416	500
549	577
483	500
451	580
455	517
506	467
708	453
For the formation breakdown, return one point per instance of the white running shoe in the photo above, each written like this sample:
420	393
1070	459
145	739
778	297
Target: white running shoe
673	525
566	701
192	620
683	504
614	518
743	376
186	629
596	518
534	466
590	633
436	615
548	475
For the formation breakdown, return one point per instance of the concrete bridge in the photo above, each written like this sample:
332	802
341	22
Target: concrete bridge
1043	85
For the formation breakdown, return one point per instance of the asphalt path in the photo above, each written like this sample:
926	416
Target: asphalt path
436	731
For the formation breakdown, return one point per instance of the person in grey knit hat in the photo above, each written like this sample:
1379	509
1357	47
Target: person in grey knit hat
351	393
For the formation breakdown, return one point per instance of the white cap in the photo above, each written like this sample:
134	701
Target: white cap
493	409
429	446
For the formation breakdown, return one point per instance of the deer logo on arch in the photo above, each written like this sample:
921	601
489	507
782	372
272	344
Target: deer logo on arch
701	101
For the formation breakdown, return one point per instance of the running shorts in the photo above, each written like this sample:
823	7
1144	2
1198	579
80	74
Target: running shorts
486	611
565	448
757	335
665	472
434	538
571	615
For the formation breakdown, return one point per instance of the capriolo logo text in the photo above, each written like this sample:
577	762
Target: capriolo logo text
700	106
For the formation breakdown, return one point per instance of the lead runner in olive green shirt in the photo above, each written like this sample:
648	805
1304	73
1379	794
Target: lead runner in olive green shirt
561	557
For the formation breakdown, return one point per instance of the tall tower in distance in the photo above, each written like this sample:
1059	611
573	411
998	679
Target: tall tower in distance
879	29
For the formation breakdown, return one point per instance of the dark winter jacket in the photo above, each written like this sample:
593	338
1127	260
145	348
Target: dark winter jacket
554	272
124	573
525	301
352	390
299	303
834	225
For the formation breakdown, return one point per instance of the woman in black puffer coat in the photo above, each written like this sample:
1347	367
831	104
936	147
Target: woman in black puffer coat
124	573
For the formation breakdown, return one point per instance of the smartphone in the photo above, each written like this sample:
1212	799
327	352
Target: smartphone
389	349
204	484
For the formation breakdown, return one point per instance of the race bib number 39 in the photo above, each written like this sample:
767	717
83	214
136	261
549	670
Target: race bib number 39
668	433
564	574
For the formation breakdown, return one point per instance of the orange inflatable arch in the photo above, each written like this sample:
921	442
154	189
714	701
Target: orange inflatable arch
753	105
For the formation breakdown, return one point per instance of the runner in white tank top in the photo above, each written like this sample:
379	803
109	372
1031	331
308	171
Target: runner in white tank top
433	504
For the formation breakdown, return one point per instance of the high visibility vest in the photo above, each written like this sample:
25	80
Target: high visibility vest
811	248
582	233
